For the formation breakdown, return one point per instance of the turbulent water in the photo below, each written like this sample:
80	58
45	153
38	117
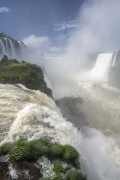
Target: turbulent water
101	132
31	114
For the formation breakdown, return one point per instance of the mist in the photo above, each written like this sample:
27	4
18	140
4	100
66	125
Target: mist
73	74
97	31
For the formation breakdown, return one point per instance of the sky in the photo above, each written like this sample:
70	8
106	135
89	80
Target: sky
53	25
50	21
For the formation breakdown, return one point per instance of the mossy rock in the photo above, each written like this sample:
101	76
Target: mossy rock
63	157
58	169
57	151
5	148
74	175
71	155
20	150
30	75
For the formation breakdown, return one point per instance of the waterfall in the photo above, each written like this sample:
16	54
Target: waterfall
12	48
13	53
114	58
102	66
32	115
2	48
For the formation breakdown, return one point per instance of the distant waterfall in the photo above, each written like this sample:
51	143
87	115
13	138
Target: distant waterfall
12	48
114	58
102	66
13	53
2	48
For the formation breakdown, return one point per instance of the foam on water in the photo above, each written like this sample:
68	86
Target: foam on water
36	117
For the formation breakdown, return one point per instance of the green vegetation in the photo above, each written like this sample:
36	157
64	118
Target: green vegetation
74	175
32	150
30	75
71	155
58	169
57	150
21	150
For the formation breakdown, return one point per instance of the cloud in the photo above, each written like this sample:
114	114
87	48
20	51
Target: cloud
36	42
99	28
56	49
66	25
4	9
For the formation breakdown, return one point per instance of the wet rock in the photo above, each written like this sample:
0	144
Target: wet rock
20	170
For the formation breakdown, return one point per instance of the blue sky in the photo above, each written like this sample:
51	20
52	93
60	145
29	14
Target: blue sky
44	18
82	25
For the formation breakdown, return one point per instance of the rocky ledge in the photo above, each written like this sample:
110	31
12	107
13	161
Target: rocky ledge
30	75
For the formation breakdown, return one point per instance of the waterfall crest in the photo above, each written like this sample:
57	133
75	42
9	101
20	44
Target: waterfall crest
102	66
31	114
12	48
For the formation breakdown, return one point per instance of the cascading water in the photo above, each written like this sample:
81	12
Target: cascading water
102	66
114	58
12	48
31	115
2	48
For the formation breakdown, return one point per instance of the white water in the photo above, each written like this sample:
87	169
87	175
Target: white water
31	115
3	49
13	53
114	58
8	48
102	66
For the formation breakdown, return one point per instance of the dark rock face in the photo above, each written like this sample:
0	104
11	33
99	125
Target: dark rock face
22	170
71	109
12	48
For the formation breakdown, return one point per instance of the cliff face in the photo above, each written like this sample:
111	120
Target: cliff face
12	48
30	75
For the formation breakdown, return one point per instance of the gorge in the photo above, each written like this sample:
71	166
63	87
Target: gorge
86	116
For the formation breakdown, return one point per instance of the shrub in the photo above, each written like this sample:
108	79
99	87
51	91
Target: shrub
57	150
71	155
32	150
5	148
58	177
20	150
39	148
57	167
74	175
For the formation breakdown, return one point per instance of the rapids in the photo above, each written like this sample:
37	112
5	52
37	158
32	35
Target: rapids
31	114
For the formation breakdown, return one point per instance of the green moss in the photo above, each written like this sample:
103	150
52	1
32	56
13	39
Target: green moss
18	65
71	155
58	169
57	150
20	150
74	175
34	149
39	148
5	148
58	177
63	157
